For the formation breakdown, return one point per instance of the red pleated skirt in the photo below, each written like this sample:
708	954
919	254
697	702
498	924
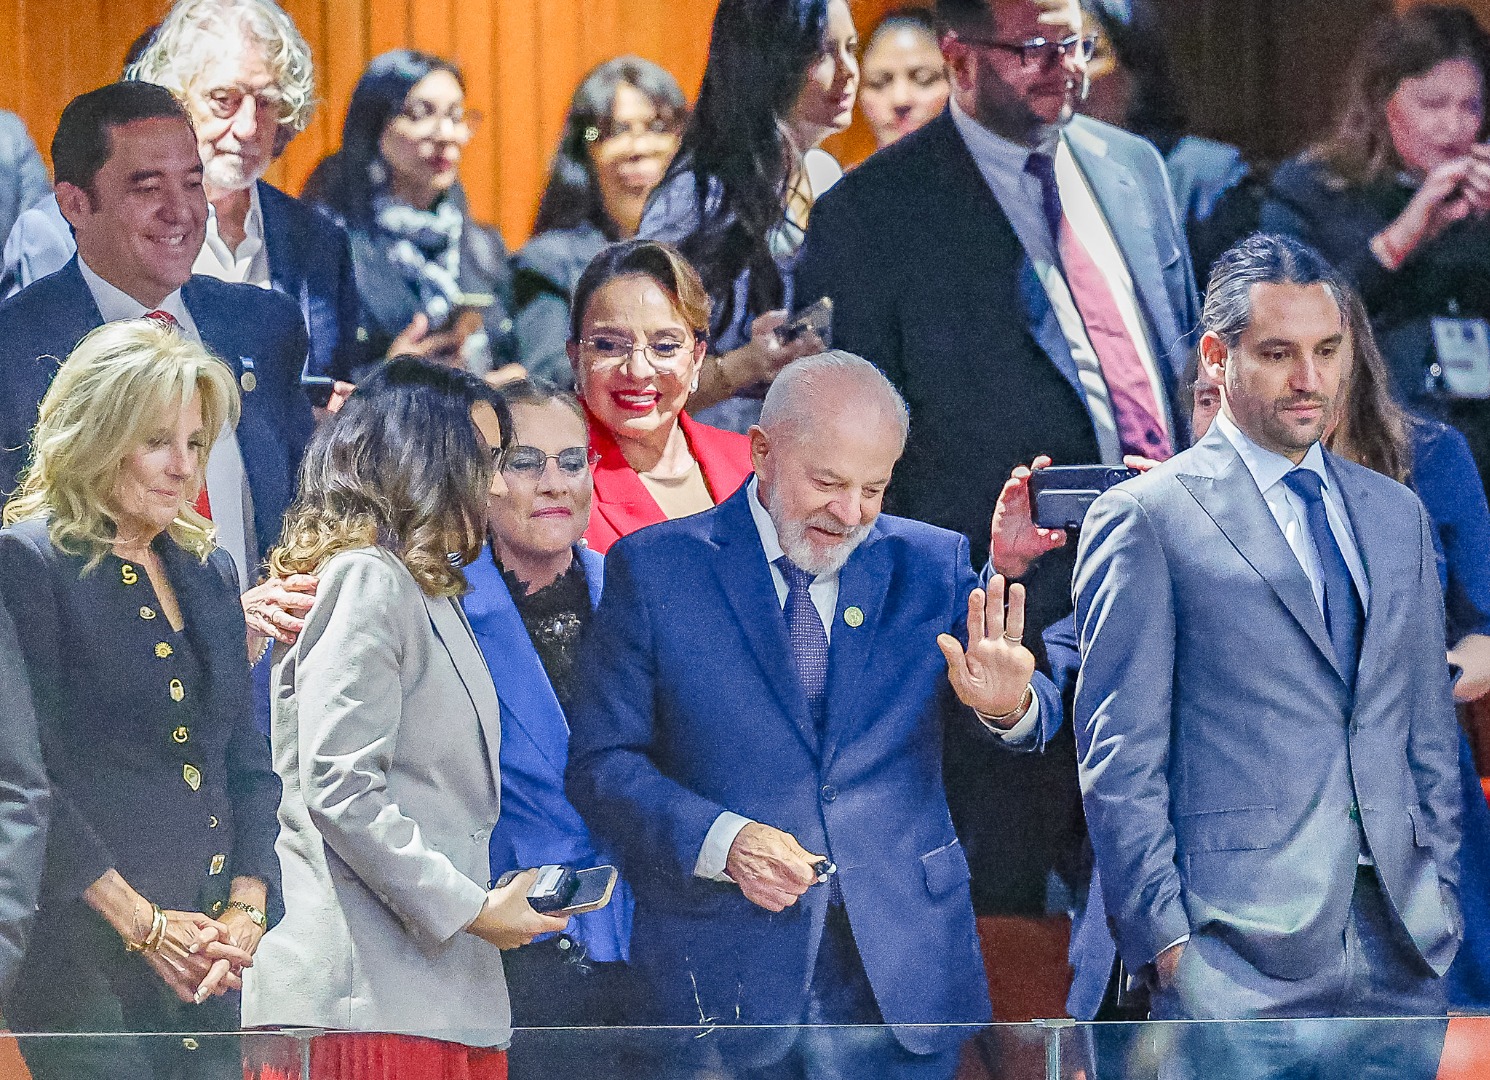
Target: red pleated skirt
354	1055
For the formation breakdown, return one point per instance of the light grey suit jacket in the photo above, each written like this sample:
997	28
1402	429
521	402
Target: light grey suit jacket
385	734
1223	761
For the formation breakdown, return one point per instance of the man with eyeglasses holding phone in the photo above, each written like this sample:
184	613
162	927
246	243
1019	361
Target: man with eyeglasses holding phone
1017	271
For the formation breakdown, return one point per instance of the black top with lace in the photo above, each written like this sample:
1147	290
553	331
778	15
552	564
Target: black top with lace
555	616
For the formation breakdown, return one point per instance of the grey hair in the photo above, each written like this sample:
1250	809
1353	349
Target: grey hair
805	390
1261	259
193	33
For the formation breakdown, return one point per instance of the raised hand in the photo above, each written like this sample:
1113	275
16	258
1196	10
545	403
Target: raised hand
1015	541
771	868
993	673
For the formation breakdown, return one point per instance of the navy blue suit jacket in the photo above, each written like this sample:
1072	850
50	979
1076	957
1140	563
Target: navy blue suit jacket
249	328
538	824
690	705
310	261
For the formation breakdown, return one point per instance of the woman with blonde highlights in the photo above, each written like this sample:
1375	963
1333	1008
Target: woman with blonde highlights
386	733
160	864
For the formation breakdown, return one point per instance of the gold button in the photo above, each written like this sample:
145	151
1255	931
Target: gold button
218	861
212	821
192	775
163	650
177	690
854	616
217	906
128	576
147	614
180	735
248	380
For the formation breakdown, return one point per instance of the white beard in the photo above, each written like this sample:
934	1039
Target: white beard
795	545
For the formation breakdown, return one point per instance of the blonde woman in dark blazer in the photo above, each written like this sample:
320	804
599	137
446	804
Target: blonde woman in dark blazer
386	735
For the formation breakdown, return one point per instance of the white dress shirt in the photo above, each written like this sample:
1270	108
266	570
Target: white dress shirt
249	264
823	592
227	480
1002	165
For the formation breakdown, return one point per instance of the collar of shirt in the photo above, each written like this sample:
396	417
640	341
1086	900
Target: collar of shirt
242	265
824	587
1267	467
114	304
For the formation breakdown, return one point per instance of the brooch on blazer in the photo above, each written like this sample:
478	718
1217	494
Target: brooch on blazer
248	380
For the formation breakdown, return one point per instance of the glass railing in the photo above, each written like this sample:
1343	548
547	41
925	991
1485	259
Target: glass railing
1355	1049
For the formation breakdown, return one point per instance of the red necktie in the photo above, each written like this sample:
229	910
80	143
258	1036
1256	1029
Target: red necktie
1139	428
203	504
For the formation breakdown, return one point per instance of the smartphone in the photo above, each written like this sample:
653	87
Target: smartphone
816	317
558	890
318	388
1062	494
465	306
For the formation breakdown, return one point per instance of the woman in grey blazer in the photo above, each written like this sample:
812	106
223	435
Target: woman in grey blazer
385	735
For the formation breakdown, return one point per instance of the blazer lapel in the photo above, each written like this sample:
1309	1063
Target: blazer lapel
280	247
1379	557
1226	491
620	497
863	583
745	578
455	633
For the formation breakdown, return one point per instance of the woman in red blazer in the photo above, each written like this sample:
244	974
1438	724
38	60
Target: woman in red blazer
637	339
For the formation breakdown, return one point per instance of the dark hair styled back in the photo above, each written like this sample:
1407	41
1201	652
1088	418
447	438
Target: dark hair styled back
1399	47
1261	259
660	262
342	183
83	142
919	19
1372	430
572	196
540	392
759	53
401	466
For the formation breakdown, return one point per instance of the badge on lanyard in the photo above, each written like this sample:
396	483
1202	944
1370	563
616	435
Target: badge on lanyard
1462	356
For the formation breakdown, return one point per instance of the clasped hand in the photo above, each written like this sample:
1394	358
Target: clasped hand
197	958
771	868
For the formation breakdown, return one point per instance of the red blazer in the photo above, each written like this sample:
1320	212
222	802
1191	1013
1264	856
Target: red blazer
622	502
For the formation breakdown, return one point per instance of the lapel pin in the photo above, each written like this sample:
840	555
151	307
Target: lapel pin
248	380
853	616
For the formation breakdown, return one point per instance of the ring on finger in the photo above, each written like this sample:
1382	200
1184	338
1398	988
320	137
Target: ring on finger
1010	637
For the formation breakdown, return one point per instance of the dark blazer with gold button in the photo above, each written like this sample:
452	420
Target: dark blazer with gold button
148	738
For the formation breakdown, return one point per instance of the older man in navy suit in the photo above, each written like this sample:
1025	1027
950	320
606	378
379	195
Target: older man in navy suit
758	732
1278	838
129	182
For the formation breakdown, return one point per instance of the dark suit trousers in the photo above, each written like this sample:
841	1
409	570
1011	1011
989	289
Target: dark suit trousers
1378	974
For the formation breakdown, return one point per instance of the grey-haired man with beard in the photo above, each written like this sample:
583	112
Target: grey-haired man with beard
758	732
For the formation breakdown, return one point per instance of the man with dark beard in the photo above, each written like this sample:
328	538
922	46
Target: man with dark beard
764	692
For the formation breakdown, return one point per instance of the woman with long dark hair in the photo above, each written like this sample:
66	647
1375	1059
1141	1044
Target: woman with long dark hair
1397	197
619	138
386	734
434	281
782	76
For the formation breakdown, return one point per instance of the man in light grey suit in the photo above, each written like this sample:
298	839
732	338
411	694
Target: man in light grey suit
1264	720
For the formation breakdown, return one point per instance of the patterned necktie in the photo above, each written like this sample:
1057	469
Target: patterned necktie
809	639
1342	605
1134	407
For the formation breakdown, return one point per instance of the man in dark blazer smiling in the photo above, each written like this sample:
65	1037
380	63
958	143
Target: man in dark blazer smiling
129	182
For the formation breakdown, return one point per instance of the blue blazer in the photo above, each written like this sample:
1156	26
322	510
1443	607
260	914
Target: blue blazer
310	261
538	824
251	329
690	705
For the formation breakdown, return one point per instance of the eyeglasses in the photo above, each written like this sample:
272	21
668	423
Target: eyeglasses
224	102
665	357
528	462
608	131
1039	52
424	120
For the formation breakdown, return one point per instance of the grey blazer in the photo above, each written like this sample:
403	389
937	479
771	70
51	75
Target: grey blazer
1223	763
385	734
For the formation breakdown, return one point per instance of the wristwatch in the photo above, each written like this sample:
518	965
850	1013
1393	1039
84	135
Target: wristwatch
255	916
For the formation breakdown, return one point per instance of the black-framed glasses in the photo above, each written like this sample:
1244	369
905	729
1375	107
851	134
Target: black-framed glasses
1039	52
528	462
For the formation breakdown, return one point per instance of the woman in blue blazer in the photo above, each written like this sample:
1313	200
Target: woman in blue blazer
532	594
160	870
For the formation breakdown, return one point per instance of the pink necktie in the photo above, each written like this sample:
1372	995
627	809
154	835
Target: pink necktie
203	505
1139	428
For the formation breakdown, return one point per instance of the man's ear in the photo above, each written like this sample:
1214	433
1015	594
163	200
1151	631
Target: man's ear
760	446
74	202
1214	356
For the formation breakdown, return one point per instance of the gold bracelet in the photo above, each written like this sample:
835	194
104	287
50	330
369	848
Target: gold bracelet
255	915
1019	710
153	939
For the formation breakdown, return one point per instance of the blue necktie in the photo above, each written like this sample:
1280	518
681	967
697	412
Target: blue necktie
1342	605
809	639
